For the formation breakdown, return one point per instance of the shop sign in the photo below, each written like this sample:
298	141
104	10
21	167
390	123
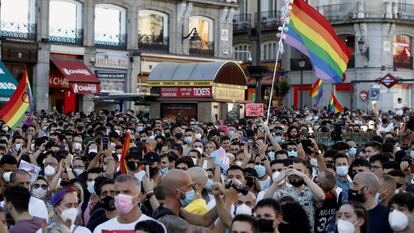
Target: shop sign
363	95
58	82
224	93
186	92
85	88
111	75
116	61
254	110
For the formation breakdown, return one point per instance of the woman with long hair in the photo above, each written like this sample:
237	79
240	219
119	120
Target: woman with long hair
351	217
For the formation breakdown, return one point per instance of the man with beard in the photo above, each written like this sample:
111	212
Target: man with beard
306	192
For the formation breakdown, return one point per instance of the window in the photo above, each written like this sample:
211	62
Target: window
152	30
269	50
204	28
18	19
242	52
402	52
110	26
66	29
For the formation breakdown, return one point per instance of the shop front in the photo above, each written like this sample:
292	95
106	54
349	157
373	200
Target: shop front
203	91
69	82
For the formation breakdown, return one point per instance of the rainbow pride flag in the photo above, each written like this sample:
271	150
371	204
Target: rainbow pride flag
334	105
125	149
316	91
20	102
312	34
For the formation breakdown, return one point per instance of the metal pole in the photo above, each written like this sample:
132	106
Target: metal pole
301	89
258	51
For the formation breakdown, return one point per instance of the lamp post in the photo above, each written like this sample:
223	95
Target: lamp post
301	67
258	51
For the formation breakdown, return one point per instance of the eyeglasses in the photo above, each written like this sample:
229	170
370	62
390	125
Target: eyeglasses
43	186
292	149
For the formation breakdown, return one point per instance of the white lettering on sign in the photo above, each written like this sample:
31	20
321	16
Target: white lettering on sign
76	71
7	86
84	88
112	61
58	81
202	91
2	71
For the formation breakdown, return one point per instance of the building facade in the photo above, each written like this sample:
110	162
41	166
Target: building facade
380	34
76	51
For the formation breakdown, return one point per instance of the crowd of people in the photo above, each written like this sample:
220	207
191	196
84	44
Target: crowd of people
77	173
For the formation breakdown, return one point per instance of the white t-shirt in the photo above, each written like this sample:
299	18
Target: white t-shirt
37	208
399	109
113	225
78	229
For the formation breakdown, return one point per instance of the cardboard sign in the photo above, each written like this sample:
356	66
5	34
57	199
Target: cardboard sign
254	110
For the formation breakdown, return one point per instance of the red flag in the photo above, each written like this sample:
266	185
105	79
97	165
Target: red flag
125	148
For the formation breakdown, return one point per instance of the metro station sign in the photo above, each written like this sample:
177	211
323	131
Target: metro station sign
388	80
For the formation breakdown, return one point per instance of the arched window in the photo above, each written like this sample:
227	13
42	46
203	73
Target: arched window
67	29
349	41
402	52
18	19
268	50
152	30
205	30
110	26
242	52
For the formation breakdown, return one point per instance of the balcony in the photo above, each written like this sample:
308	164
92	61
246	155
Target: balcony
405	63
405	12
66	36
241	22
294	64
153	42
270	19
15	30
337	12
202	48
110	41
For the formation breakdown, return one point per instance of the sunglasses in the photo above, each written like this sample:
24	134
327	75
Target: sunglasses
43	186
291	149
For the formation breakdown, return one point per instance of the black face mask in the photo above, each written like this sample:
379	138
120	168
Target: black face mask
384	121
64	183
179	135
250	181
296	182
79	127
265	225
167	135
354	195
108	203
132	165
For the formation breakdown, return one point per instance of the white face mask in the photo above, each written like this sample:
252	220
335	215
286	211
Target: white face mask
32	147
314	162
345	226
49	170
18	146
93	150
239	163
77	171
188	140
197	136
6	176
199	150
91	188
78	146
39	193
194	161
70	214
398	220
242	209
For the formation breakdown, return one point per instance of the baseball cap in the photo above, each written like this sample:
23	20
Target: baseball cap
151	157
134	153
251	171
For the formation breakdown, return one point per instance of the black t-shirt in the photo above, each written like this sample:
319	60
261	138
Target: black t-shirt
325	215
97	217
378	220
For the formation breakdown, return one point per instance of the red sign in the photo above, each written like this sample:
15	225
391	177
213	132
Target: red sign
254	110
388	80
85	88
186	92
363	95
58	82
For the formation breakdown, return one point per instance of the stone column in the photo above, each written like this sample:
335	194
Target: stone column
89	23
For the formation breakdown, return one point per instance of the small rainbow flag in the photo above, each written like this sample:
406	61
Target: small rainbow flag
20	102
316	91
334	105
312	34
125	149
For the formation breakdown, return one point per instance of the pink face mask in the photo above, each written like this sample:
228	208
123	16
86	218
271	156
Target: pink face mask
123	204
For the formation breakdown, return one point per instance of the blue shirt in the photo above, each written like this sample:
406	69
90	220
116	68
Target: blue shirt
345	185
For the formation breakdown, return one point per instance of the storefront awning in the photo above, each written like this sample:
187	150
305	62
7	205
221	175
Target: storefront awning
7	83
81	79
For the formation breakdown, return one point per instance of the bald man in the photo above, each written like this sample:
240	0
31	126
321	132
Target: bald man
177	187
364	189
199	179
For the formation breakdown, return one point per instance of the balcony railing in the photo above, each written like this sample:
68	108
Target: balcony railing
202	48
406	63
110	41
153	42
16	30
269	19
337	12
66	35
294	64
241	22
405	11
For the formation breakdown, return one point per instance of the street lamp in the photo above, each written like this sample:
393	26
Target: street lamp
194	35
302	64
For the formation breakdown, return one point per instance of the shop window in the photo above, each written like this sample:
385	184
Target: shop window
110	26
18	19
402	52
242	52
268	51
152	30
68	29
204	26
